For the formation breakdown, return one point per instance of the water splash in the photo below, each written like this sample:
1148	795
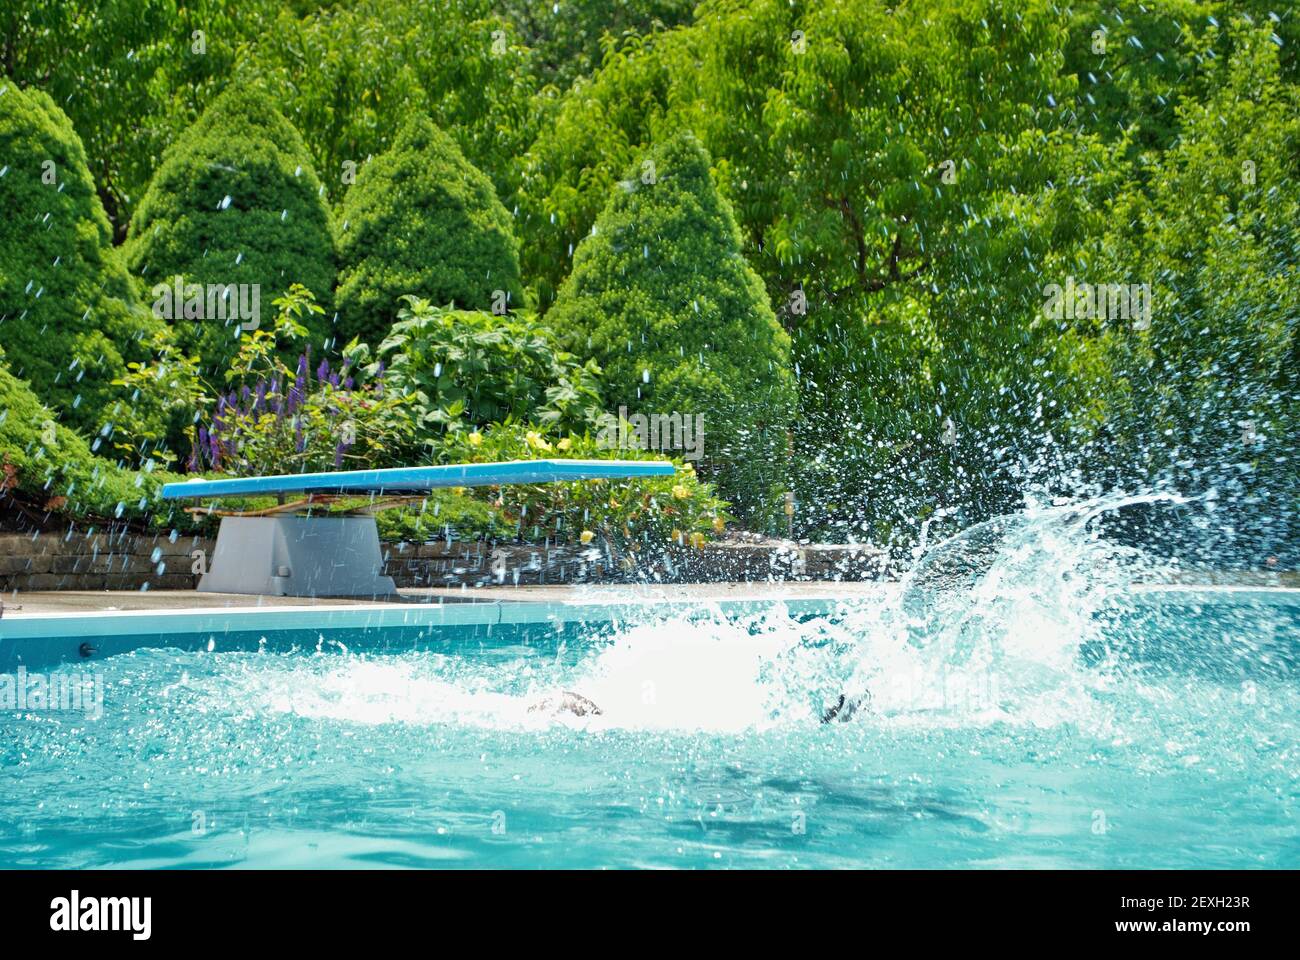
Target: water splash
989	627
990	624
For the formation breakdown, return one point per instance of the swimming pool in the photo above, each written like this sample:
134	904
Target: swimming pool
1040	714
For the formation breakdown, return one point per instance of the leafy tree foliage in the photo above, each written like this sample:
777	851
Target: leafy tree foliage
132	74
53	468
894	174
569	40
907	180
354	73
1208	398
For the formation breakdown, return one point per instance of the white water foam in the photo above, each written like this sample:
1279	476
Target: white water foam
986	629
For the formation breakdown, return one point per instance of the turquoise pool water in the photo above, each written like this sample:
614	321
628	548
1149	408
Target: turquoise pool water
1028	707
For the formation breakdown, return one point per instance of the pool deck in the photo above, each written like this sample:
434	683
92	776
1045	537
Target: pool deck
44	602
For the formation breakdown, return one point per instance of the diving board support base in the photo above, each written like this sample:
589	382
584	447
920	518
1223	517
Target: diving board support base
294	556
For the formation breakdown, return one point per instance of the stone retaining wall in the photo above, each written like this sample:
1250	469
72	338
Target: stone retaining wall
121	560
113	559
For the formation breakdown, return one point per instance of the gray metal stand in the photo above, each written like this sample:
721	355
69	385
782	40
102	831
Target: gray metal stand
292	556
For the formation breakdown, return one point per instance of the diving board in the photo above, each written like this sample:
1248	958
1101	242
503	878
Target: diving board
413	480
288	554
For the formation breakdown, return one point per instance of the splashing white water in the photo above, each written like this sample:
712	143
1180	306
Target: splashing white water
987	628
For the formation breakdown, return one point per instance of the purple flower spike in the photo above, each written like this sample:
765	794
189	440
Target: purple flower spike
197	450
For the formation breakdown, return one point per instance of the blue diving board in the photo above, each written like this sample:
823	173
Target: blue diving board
399	481
286	554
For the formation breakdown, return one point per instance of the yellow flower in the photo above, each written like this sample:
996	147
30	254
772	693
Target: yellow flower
677	536
719	524
682	492
688	467
564	444
475	439
586	536
537	441
697	540
459	491
613	504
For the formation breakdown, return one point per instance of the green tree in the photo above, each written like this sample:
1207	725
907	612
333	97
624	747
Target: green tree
69	317
353	73
569	40
131	74
895	174
235	201
1209	396
591	135
662	298
422	220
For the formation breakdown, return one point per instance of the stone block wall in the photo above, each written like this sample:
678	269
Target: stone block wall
100	560
114	559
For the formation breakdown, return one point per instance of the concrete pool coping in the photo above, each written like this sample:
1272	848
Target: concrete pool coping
107	613
71	627
50	602
43	603
75	628
126	614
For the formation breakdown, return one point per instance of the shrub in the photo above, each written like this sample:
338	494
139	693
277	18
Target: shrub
661	296
624	514
68	314
266	417
46	464
422	220
445	514
463	369
163	398
235	201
